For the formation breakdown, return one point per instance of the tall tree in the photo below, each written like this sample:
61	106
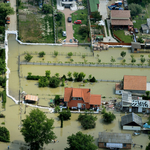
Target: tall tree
123	54
37	129
80	141
4	134
47	8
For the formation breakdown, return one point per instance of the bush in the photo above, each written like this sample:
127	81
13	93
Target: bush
70	54
41	54
64	77
57	109
54	82
28	57
84	31
70	79
2	116
93	79
4	134
87	120
59	16
135	9
4	96
108	117
43	82
65	114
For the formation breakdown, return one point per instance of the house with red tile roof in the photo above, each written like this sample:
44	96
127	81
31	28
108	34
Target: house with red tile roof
81	98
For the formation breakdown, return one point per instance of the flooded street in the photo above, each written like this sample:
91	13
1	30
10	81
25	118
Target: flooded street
14	113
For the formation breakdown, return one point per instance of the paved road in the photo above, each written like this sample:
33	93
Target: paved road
13	19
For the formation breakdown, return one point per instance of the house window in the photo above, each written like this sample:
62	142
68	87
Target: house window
79	98
124	145
74	98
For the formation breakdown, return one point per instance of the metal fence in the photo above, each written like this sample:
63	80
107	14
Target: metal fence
85	65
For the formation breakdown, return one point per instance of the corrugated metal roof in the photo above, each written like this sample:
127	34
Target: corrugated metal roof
93	5
136	45
108	137
125	120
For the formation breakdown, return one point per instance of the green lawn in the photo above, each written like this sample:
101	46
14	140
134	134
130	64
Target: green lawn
122	36
139	22
80	15
61	26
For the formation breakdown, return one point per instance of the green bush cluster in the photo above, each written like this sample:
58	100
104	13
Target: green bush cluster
4	96
3	82
108	117
2	116
87	120
4	134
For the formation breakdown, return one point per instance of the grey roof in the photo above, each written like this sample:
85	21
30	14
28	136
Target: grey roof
148	22
108	137
136	45
144	27
131	118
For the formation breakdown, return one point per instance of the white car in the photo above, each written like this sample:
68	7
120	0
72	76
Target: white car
64	33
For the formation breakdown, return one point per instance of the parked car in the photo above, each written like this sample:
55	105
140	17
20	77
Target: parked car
78	22
8	20
64	33
69	19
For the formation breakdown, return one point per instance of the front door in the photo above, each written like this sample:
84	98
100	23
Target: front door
79	105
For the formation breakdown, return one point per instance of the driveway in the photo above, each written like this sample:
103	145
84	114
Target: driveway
69	28
13	18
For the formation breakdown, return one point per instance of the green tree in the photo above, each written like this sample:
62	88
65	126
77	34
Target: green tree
4	134
96	15
112	59
99	60
75	75
47	73
63	82
57	100
71	60
28	57
80	141
148	147
135	9
140	40
5	9
65	114
133	60
43	82
90	76
108	117
47	8
132	56
2	66
54	82
57	109
57	75
37	129
123	54
81	76
93	79
55	53
83	56
69	74
41	54
70	54
59	16
87	120
123	60
84	31
142	60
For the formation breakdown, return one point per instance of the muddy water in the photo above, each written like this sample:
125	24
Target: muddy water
14	114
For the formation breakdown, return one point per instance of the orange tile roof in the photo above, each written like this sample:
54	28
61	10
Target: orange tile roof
31	97
95	100
84	93
135	82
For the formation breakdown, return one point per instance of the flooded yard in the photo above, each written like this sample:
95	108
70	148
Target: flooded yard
14	114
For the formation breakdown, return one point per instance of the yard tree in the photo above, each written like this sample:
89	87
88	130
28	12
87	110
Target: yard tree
123	54
80	141
83	56
4	134
57	75
96	15
84	31
132	56
28	57
70	54
81	76
65	114
133	60
5	9
69	74
55	53
140	40
47	8
112	59
108	117
41	54
37	129
99	60
47	73
59	16
54	82
124	60
75	75
135	9
57	99
142	60
90	76
71	60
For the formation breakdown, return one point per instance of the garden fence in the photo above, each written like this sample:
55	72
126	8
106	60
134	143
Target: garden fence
85	65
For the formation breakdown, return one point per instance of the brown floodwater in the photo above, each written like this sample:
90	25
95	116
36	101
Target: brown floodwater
14	113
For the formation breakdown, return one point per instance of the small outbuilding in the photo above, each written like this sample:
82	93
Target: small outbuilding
31	98
131	122
114	140
135	47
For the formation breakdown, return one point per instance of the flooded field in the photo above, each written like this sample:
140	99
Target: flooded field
14	114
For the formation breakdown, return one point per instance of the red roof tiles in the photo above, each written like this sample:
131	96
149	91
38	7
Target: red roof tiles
135	82
84	93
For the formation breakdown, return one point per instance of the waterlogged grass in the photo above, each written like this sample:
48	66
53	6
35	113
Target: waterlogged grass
122	36
139	22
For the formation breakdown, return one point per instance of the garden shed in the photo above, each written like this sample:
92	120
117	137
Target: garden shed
135	47
131	122
114	140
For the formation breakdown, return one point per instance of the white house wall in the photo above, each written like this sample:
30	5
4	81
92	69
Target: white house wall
131	128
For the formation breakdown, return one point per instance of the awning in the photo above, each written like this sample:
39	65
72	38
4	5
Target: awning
114	145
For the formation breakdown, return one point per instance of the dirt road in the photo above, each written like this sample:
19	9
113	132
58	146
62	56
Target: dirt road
13	18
